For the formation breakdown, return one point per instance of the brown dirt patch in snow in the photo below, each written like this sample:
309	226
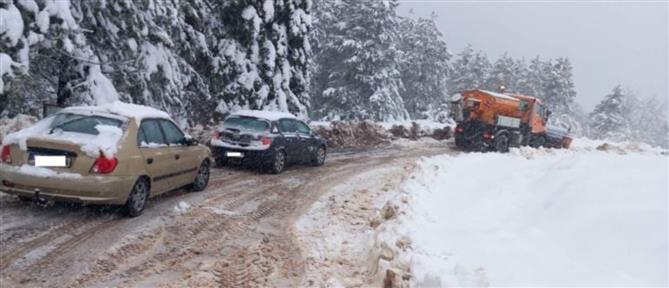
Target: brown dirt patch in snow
415	131
353	134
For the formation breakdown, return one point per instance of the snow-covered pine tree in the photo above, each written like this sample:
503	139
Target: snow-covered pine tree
424	68
155	52
67	69
173	55
558	86
647	118
558	93
510	73
358	61
470	70
263	56
608	120
536	78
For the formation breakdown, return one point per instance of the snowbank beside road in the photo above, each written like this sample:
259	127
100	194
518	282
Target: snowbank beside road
539	218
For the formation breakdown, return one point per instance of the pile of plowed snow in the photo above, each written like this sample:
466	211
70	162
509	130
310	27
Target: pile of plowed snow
595	215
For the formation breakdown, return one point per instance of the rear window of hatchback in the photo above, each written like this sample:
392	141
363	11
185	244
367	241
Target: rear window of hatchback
71	122
246	123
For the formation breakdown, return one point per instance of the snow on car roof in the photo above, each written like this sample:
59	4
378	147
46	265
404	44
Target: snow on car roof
499	95
138	112
269	115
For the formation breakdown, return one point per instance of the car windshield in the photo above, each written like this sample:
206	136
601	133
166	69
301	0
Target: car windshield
70	122
246	123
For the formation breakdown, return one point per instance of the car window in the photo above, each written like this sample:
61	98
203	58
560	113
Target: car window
173	134
69	122
287	126
302	128
141	138
151	134
246	123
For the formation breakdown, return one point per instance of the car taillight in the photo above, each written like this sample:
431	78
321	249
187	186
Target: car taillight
266	141
217	135
487	135
459	129
104	165
4	157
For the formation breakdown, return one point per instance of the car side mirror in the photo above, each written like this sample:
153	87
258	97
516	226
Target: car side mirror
275	130
190	141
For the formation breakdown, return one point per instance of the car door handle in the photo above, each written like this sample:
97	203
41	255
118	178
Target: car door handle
177	157
149	161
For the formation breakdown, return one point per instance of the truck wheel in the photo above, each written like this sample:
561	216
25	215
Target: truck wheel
460	143
538	141
137	198
502	143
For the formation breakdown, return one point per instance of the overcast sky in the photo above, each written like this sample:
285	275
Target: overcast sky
618	42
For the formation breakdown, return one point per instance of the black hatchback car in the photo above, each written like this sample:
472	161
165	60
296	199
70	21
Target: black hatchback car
270	140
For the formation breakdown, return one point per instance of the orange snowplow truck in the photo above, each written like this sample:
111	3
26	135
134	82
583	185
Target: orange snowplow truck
490	121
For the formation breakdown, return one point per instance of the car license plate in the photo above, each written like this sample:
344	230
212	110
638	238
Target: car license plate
50	161
234	154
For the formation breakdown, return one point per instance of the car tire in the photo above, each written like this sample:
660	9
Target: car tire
502	143
278	163
202	178
319	156
137	199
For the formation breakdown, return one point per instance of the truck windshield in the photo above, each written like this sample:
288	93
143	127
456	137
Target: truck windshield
246	123
70	122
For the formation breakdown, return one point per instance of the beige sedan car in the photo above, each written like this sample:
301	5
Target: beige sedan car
118	153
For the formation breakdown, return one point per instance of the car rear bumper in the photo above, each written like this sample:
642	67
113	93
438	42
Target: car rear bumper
249	156
85	189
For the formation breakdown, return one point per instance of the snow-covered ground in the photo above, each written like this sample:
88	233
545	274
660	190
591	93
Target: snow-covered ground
591	216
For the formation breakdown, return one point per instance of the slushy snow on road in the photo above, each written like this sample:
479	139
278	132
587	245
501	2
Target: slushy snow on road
539	218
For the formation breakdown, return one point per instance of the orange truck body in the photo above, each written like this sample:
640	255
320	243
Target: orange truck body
495	121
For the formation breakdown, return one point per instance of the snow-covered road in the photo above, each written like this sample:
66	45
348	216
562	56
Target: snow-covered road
239	232
539	218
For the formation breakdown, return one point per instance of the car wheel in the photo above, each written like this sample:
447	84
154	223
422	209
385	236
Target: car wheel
137	198
319	156
278	163
202	178
502	143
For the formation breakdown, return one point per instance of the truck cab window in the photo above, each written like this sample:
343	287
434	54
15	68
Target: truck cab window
523	105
